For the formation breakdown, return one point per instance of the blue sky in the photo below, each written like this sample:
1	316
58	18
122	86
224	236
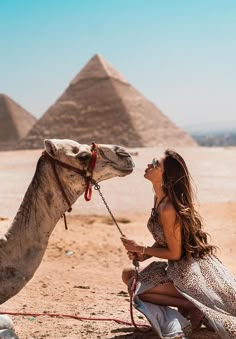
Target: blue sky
181	54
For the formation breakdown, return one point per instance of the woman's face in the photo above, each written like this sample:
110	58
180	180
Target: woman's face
154	170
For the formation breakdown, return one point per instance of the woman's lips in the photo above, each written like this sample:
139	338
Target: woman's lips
147	170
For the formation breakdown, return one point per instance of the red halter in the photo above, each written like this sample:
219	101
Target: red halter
91	166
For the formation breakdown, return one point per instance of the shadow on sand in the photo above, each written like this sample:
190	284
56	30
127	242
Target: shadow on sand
132	333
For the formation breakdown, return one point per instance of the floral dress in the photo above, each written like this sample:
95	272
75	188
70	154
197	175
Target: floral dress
205	282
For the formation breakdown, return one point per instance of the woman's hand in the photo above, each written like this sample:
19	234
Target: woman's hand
137	256
131	245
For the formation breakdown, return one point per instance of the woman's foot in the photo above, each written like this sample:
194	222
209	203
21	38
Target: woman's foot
196	317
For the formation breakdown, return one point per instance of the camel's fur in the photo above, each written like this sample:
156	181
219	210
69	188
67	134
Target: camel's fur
23	246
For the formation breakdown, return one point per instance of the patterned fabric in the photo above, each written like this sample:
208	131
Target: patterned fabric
205	282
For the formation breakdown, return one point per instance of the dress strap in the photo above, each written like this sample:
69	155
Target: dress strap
156	207
155	202
154	211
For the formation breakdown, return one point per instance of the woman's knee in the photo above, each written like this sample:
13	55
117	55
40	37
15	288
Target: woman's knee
127	274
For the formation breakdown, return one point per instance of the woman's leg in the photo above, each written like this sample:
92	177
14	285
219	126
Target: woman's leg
155	295
167	295
127	274
167	288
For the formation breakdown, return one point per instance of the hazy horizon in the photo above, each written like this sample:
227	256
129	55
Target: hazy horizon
180	55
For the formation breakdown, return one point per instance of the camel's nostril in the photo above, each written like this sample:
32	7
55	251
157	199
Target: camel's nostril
120	151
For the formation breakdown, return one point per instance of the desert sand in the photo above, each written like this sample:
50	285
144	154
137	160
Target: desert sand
81	270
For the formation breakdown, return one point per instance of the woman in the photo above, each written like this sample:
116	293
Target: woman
193	280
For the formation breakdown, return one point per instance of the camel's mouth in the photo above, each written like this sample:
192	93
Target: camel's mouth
125	171
127	168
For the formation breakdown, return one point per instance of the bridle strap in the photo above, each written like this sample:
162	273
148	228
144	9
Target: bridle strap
53	162
62	164
88	178
61	187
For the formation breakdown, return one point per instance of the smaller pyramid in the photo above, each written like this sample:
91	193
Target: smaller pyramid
15	122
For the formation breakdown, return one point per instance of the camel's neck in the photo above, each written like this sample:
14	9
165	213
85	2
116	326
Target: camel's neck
23	247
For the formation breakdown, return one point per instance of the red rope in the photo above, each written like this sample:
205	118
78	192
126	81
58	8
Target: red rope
88	191
141	328
58	315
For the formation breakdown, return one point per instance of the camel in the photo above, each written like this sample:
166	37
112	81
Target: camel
23	246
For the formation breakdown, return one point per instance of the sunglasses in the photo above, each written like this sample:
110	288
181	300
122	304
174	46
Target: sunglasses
155	163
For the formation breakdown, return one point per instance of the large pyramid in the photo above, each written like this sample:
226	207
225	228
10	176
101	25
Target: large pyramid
100	105
15	122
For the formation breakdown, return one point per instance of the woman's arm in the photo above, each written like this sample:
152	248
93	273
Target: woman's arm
172	232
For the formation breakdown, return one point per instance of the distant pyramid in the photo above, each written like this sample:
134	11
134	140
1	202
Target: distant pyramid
15	122
100	105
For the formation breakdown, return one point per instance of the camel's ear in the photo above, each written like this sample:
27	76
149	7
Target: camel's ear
50	147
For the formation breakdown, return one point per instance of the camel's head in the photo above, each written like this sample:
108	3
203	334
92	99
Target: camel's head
112	160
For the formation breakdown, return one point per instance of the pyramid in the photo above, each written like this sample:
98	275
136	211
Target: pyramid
15	122
100	105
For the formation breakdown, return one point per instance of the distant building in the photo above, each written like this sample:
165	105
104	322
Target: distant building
15	122
100	105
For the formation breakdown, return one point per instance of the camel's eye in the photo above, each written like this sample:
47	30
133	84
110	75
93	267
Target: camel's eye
83	156
75	150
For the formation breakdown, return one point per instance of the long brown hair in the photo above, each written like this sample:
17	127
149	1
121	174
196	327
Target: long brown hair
177	186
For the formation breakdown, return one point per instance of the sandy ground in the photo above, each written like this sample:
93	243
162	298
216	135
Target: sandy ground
81	270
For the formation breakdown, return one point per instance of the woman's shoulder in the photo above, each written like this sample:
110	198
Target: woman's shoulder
167	206
167	210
